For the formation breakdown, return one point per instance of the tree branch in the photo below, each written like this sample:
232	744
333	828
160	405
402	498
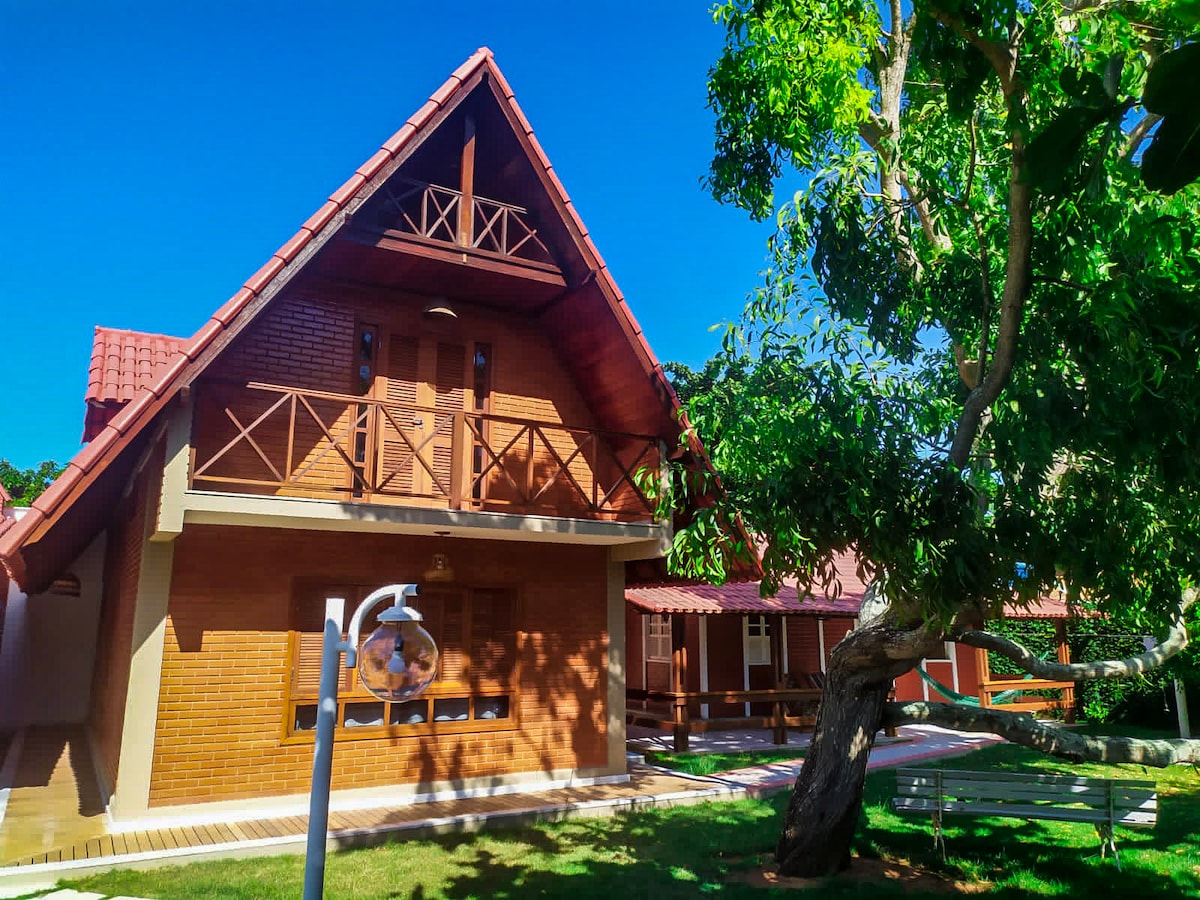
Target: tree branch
1024	729
1138	134
1176	640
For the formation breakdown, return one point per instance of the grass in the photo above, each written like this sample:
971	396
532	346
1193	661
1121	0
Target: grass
709	849
711	763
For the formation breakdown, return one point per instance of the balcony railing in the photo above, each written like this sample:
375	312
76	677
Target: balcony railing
281	441
436	212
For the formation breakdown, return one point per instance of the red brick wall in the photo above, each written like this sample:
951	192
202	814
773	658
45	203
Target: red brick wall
114	639
221	709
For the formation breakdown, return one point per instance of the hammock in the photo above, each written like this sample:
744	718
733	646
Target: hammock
964	699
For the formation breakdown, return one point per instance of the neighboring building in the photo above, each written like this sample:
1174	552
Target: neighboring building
437	365
688	643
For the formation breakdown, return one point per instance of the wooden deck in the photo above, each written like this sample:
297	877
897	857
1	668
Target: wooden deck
365	827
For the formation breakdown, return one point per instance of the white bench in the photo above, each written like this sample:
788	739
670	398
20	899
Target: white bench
1102	802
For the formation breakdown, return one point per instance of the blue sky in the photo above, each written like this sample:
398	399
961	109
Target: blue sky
156	154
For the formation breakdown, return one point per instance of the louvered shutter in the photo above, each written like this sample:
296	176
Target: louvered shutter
449	394
396	465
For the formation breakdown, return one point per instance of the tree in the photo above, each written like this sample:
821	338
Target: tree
975	361
26	485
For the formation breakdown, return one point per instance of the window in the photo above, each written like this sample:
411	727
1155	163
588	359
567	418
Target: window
658	638
758	641
475	689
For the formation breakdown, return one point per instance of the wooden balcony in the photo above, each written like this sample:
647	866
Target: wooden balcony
285	442
444	214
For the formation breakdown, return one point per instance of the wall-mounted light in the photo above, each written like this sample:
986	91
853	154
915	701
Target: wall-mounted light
439	308
440	569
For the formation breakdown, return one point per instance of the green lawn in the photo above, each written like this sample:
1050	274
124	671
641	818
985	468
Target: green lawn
712	849
711	763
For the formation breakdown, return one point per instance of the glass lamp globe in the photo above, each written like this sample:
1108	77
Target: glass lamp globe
400	658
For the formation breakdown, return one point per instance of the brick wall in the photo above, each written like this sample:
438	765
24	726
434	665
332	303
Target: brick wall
114	638
221	710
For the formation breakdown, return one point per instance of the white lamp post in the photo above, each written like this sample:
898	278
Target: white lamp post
398	661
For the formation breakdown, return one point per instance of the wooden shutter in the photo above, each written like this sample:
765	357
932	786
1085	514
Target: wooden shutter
449	395
396	463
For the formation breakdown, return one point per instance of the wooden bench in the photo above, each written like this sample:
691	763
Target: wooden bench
1102	802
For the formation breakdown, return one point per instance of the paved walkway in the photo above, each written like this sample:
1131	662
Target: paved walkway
647	787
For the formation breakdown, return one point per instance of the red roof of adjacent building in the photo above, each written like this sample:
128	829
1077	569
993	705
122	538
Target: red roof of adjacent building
745	597
124	363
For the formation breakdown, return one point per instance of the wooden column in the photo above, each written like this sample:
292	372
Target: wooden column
1064	657
679	707
775	627
985	675
466	203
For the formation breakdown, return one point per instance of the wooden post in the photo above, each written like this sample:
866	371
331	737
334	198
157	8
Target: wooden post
775	626
458	463
466	202
985	675
679	680
1064	657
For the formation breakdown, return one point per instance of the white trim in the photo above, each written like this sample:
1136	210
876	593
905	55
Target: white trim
703	662
954	667
131	794
220	508
787	669
821	641
746	659
645	662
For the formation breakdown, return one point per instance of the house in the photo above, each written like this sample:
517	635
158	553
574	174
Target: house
707	657
436	380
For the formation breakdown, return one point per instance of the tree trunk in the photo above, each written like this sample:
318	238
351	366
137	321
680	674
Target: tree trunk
822	814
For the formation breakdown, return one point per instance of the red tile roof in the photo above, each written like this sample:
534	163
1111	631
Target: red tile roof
741	598
124	363
239	310
744	598
4	497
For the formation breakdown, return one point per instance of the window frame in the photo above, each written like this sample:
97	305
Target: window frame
760	641
660	622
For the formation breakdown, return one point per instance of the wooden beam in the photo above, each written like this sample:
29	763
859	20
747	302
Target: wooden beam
466	203
679	680
441	251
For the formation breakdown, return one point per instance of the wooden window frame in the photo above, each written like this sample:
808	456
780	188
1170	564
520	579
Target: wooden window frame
661	622
467	689
754	621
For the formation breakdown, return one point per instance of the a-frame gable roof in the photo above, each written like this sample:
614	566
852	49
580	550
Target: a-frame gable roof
74	509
